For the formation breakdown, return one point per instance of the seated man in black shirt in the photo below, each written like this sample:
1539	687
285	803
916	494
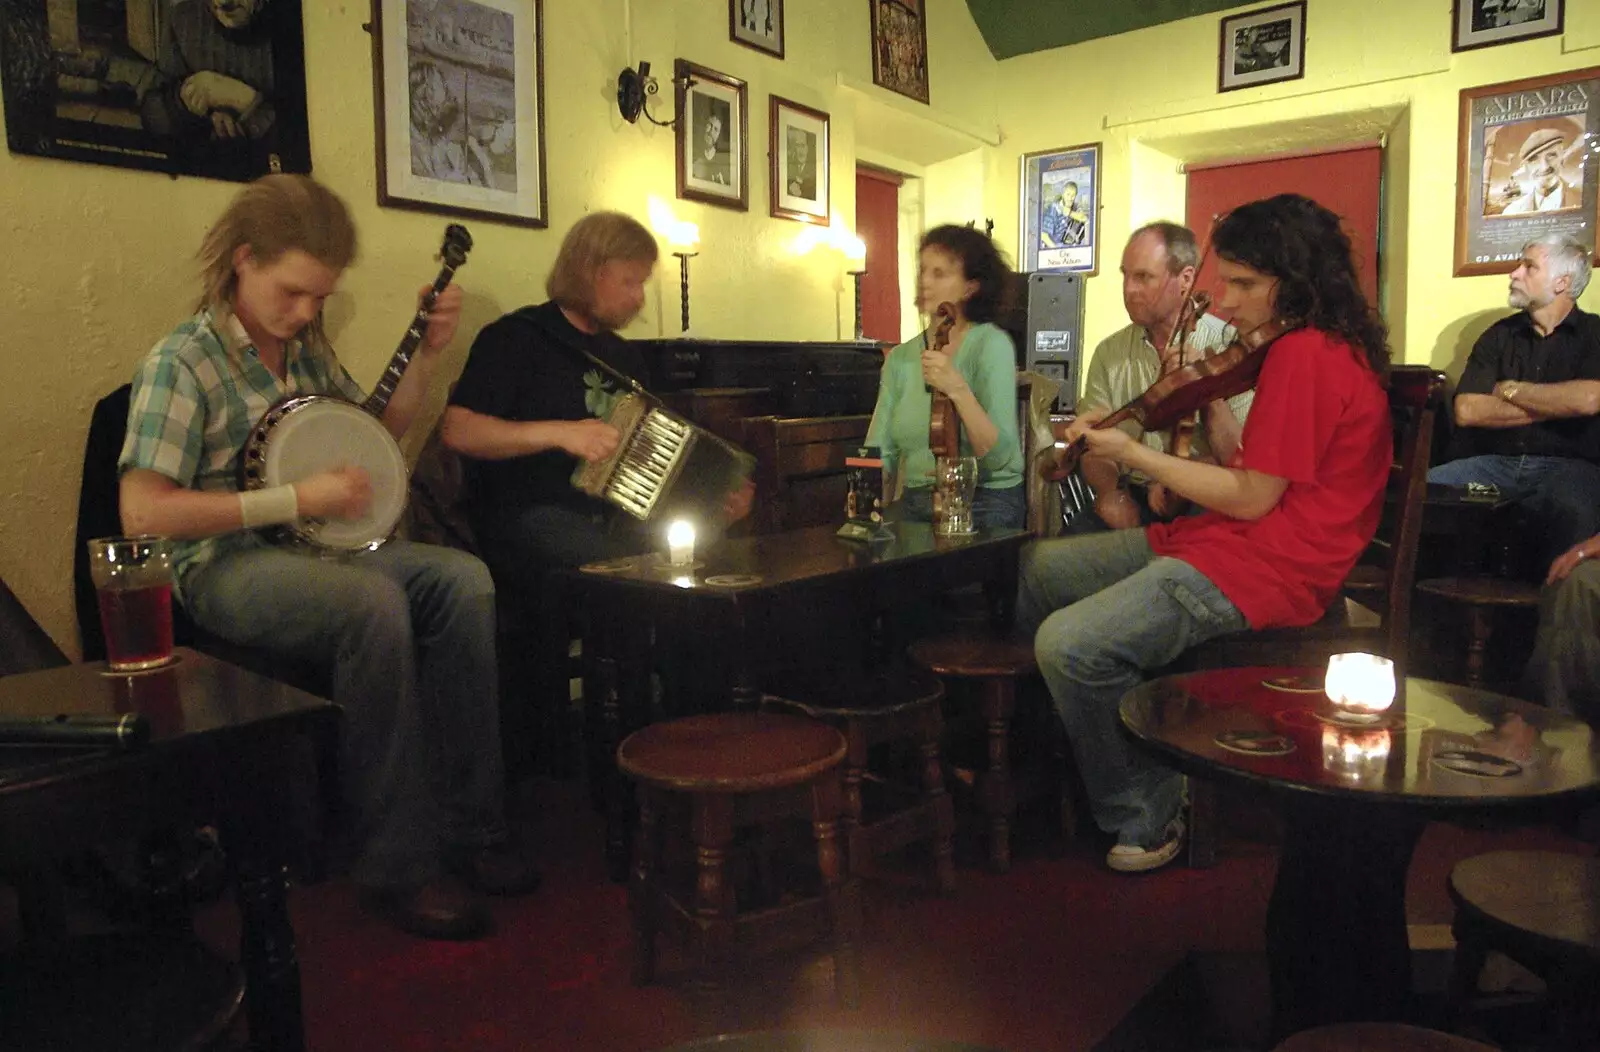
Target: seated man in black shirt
530	404
1529	400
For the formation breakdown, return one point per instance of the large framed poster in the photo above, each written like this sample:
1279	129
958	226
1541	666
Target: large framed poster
1061	209
1524	167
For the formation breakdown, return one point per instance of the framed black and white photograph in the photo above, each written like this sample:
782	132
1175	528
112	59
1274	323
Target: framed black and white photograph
1524	167
200	88
798	147
900	47
459	88
712	133
1262	47
1485	23
757	24
1060	196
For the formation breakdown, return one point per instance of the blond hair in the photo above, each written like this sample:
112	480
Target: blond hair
594	241
271	216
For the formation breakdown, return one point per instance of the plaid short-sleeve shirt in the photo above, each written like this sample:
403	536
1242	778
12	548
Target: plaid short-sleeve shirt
195	399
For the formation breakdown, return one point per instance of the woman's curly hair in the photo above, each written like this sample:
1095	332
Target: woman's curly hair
980	262
1299	242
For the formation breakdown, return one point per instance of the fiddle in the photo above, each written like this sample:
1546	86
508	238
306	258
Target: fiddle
944	423
1183	391
1182	437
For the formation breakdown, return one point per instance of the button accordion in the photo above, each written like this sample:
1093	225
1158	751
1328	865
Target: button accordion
665	468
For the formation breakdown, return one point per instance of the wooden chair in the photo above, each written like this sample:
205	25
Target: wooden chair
733	770
1541	909
875	708
1416	396
996	662
1486	600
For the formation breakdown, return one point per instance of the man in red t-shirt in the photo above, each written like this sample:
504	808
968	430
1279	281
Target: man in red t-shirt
1284	521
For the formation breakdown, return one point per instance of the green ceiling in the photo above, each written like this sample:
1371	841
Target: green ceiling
1018	27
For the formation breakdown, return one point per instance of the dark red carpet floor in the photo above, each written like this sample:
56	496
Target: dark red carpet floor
1048	957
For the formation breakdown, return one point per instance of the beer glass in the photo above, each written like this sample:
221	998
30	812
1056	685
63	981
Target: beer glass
955	484
133	582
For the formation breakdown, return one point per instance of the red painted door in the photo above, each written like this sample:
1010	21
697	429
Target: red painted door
878	224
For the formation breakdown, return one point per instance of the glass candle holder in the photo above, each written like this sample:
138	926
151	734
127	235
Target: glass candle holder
1360	687
1356	756
955	484
680	543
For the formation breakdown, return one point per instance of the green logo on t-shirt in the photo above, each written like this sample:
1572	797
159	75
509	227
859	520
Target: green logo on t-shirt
598	398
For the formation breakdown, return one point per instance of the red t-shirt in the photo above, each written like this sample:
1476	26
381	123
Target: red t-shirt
1320	420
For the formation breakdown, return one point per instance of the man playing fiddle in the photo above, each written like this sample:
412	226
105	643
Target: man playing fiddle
1285	519
1158	273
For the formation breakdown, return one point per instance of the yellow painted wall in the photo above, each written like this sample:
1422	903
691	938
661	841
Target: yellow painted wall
97	260
1372	66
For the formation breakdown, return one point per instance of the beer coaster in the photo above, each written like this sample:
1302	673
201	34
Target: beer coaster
608	566
1477	764
734	580
111	673
1255	743
1294	684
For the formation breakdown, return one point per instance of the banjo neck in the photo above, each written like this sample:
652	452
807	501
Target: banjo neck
457	242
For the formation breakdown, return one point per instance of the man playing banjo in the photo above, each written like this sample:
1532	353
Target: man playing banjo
408	629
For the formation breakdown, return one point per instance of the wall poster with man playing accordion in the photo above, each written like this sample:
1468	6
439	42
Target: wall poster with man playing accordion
214	88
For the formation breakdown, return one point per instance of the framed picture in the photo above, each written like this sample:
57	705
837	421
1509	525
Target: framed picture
459	90
711	132
1521	168
1263	47
1485	23
757	24
799	151
900	47
214	90
1061	209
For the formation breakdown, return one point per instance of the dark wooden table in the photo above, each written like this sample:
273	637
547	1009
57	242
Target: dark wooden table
219	737
1355	800
723	631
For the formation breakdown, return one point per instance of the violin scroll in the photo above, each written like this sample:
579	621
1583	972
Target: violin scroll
944	423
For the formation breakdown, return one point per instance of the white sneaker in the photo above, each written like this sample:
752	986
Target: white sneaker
1130	858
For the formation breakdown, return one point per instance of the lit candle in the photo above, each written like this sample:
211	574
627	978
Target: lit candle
1360	686
680	543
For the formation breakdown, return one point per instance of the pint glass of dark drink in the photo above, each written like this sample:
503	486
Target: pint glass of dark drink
133	580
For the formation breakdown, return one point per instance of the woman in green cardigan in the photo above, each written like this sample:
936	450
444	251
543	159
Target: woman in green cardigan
977	369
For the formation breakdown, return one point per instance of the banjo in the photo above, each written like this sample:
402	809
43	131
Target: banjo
307	434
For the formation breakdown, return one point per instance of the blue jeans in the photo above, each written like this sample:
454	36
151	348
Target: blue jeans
409	632
1105	610
991	508
1561	495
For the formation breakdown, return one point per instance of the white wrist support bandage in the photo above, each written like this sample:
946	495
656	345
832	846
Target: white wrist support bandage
268	507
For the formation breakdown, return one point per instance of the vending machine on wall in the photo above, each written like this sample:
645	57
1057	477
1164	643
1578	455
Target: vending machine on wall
1046	321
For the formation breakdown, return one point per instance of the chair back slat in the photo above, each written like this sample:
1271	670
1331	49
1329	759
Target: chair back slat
1416	395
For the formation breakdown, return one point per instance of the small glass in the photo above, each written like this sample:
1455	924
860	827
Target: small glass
955	484
1360	686
133	582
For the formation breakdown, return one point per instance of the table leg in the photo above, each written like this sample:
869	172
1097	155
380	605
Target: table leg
1000	590
1336	925
746	658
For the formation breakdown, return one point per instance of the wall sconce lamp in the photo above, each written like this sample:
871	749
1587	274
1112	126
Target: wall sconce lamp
634	88
855	251
684	255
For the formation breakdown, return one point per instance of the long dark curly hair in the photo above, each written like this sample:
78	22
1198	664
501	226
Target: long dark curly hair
980	262
1299	242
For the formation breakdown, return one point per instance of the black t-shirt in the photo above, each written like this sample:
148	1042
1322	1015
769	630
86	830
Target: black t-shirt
529	365
1512	349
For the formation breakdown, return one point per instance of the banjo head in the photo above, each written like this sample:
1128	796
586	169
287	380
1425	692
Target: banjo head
320	433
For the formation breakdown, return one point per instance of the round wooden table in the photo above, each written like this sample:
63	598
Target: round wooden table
1356	799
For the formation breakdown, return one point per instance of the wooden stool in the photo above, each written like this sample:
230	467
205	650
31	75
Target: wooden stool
1483	597
871	709
996	663
738	769
1377	1037
1541	909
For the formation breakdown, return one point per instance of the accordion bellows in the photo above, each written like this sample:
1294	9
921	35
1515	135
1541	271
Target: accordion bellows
664	467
